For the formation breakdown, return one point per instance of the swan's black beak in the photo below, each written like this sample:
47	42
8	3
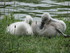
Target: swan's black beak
42	23
30	22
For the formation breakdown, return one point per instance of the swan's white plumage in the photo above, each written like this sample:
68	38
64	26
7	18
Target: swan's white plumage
20	28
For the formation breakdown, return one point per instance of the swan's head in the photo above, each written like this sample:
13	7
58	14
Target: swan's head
29	19
45	19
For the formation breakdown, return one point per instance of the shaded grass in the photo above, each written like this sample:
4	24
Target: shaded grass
31	44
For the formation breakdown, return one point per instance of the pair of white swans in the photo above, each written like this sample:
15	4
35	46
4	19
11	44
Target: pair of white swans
47	27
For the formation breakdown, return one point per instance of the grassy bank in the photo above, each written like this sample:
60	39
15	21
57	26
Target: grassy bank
27	44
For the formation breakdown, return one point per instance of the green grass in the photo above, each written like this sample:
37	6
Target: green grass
28	44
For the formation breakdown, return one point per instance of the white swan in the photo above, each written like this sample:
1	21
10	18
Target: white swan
49	26
47	19
20	28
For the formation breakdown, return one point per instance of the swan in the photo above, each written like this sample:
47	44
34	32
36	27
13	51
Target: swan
47	19
20	28
49	26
